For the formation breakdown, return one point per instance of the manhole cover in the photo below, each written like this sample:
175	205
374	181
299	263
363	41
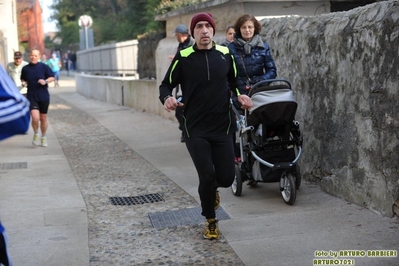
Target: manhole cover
190	216
136	200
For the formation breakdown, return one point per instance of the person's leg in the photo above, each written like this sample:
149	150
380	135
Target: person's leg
34	113
35	120
43	109
223	160
43	124
43	121
43	129
57	78
214	161
201	153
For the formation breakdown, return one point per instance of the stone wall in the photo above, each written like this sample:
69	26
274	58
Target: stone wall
344	68
146	65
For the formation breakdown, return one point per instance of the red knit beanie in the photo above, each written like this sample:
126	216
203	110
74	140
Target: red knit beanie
202	17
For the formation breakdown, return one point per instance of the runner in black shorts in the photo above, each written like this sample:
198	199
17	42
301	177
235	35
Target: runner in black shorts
36	76
41	106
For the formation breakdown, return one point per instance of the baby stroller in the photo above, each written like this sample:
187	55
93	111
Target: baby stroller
270	140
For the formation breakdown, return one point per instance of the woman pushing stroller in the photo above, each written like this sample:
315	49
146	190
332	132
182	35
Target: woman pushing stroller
252	56
269	138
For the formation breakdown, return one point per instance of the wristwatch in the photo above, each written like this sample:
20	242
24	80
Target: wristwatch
46	81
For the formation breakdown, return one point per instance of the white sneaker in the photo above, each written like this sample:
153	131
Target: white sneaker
44	142
35	141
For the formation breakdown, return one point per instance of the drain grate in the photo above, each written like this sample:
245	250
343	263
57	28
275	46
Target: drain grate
190	216
136	200
8	166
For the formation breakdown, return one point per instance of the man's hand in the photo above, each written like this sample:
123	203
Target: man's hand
246	102
171	104
42	82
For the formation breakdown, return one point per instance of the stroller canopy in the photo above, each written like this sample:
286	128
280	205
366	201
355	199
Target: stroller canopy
272	105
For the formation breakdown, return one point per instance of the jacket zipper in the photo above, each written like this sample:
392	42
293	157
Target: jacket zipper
207	65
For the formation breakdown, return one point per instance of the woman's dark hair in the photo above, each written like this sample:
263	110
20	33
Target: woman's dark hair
241	20
229	27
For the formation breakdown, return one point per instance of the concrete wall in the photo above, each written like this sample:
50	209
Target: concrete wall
138	94
344	68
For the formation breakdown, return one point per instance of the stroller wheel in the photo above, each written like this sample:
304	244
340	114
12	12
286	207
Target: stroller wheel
287	187
236	187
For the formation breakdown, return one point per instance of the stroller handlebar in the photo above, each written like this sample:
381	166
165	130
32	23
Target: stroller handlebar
269	82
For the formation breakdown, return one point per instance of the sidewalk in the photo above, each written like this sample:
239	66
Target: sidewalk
40	204
54	201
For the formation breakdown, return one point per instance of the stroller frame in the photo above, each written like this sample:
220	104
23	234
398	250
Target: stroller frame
270	140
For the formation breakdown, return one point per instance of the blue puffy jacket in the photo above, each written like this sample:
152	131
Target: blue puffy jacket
259	65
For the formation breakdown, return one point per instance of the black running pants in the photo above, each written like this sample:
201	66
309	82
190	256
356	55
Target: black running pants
213	158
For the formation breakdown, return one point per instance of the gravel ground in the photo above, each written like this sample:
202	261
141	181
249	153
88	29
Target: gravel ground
104	167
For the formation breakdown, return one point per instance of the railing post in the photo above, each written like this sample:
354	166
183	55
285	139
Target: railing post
123	83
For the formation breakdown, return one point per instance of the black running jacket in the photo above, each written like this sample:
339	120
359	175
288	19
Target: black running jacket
207	78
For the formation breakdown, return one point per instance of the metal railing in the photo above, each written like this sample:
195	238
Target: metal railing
117	59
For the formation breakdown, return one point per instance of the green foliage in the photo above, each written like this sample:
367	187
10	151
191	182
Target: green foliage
49	44
69	33
169	5
113	20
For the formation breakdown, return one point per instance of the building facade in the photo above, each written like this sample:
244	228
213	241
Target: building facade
30	25
8	30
